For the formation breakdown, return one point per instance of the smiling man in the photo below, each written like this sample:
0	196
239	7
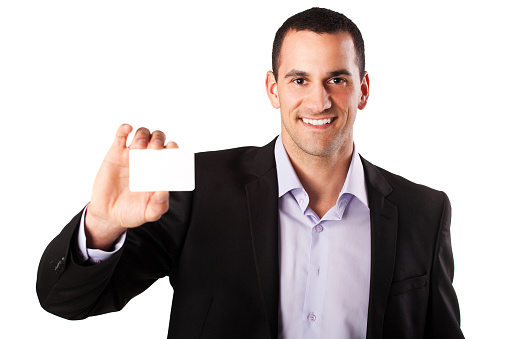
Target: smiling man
318	93
301	238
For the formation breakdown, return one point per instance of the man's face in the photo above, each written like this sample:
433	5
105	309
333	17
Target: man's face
318	92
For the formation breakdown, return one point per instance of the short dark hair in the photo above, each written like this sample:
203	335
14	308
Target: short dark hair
319	20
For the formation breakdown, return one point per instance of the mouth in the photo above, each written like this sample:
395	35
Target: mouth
317	122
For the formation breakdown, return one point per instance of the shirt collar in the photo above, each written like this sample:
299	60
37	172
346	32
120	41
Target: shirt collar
355	183
286	177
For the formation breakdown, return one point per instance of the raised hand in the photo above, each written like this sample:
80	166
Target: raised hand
113	207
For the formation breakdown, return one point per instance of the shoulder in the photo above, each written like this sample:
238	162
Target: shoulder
236	160
403	192
226	157
236	163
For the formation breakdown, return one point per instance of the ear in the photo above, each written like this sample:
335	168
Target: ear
271	87
364	92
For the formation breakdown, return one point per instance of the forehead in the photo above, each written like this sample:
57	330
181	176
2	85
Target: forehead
309	49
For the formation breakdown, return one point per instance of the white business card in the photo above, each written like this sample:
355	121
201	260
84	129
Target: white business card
169	169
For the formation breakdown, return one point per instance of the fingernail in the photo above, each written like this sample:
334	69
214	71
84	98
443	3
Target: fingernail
141	141
162	198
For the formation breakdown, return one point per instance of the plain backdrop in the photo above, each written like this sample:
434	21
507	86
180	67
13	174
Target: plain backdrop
72	71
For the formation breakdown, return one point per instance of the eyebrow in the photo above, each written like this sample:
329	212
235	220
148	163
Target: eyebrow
295	72
340	72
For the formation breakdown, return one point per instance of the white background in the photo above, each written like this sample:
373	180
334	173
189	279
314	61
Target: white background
72	71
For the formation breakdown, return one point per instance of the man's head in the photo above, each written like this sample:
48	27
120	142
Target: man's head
318	20
321	84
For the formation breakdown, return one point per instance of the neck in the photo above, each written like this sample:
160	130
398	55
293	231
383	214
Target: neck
323	177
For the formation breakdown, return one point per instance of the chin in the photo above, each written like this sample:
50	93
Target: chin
318	151
324	149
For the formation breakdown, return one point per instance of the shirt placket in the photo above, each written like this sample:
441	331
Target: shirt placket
316	282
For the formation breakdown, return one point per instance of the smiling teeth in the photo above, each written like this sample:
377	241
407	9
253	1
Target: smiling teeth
317	122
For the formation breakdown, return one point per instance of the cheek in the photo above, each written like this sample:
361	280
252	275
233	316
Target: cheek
345	100
290	100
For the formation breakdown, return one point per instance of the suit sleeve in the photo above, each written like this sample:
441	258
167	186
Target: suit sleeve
75	291
443	312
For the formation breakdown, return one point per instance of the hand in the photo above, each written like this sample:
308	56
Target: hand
113	207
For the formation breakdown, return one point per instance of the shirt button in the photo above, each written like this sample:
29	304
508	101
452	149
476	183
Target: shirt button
312	317
301	201
318	228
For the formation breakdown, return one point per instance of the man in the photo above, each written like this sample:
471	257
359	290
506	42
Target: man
300	238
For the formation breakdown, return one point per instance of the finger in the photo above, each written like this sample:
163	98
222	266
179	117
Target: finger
141	139
157	140
121	136
171	144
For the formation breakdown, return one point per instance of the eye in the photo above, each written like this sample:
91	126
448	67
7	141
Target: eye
336	81
299	81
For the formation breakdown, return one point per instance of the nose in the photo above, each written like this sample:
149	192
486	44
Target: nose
318	99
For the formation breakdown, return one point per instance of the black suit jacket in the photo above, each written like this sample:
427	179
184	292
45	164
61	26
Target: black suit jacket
219	247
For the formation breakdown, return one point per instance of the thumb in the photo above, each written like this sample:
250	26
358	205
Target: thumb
157	205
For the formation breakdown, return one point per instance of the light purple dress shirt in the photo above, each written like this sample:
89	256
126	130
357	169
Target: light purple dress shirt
94	255
324	263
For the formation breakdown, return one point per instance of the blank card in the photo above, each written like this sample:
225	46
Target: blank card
170	169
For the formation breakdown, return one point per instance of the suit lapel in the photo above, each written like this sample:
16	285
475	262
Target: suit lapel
384	227
262	197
